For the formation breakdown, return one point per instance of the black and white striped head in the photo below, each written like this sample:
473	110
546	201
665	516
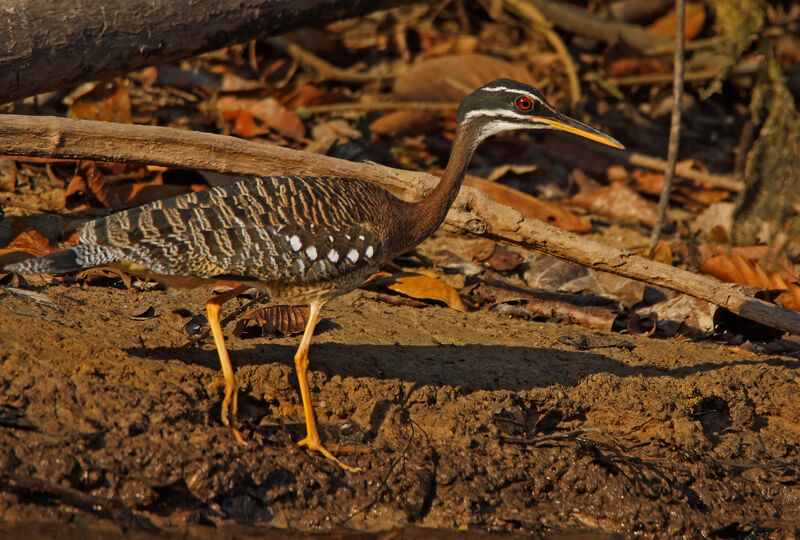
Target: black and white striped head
505	104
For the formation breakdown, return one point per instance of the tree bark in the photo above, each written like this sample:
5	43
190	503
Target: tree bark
473	211
50	45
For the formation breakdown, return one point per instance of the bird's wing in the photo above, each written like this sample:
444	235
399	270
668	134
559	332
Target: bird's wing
269	229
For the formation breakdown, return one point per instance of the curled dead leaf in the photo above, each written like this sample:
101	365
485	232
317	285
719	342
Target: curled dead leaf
107	101
422	287
617	202
272	321
451	78
406	122
27	242
531	207
694	19
268	111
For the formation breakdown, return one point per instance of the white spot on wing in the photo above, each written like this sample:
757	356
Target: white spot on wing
352	255
295	242
333	255
361	237
369	252
311	251
330	238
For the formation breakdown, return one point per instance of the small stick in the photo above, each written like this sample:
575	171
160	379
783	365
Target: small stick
723	181
323	68
675	127
539	22
378	106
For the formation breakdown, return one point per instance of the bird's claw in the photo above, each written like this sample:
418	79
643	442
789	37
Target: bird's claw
315	445
230	407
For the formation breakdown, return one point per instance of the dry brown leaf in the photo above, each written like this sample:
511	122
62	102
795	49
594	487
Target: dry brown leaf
742	265
244	125
529	206
647	181
101	188
145	192
267	111
663	253
503	259
307	95
635	65
694	19
422	287
273	321
451	78
617	202
683	314
107	101
406	122
28	241
550	274
99	274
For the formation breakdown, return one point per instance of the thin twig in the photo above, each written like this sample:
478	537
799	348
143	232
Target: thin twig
740	70
325	69
378	106
539	22
675	127
722	181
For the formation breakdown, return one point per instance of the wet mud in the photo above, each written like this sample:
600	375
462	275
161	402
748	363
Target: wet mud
460	421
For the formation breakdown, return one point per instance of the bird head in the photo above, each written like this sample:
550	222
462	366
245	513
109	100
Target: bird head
505	104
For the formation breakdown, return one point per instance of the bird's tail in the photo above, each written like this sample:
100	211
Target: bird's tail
66	260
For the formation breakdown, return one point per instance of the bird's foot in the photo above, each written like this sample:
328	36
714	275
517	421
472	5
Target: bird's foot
315	445
230	408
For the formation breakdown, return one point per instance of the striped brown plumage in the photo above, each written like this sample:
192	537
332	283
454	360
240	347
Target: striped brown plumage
278	233
304	240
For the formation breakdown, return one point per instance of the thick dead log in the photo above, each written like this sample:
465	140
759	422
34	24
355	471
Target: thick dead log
51	45
473	211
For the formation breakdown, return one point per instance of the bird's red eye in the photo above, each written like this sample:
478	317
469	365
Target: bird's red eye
524	103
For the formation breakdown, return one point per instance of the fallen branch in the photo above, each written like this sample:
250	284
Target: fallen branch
473	211
52	45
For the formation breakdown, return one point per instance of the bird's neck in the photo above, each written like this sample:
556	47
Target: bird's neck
427	214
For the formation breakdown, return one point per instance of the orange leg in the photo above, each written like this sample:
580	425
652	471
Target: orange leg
213	307
311	440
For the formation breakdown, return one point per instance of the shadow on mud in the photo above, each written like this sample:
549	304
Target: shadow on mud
471	367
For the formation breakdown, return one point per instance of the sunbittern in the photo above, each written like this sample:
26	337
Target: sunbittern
303	240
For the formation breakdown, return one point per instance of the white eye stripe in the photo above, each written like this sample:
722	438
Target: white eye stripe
503	89
495	113
497	126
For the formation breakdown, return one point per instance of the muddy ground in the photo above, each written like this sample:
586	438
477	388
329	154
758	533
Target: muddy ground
469	421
